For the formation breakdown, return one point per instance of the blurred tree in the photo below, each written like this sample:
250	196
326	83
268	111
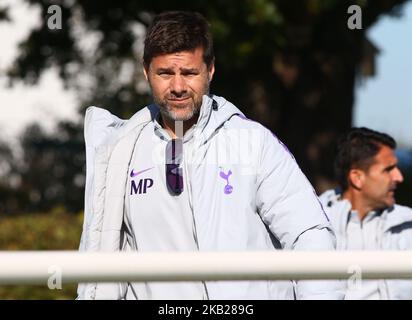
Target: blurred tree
52	170
11	197
291	65
4	15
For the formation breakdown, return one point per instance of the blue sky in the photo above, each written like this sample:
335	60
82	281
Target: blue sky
385	101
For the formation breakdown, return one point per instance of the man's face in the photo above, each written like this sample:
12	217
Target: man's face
178	82
380	180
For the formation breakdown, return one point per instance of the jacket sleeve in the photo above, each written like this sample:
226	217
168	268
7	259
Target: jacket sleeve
98	126
289	206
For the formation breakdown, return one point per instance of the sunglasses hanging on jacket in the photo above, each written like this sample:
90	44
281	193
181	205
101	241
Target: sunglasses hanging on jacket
174	172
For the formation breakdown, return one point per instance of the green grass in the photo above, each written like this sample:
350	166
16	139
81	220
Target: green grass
52	231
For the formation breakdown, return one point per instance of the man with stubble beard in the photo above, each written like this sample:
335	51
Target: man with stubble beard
190	173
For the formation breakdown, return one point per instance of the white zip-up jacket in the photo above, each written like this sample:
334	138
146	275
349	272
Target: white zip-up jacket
270	204
395	233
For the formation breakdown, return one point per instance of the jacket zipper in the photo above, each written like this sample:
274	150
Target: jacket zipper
189	193
382	234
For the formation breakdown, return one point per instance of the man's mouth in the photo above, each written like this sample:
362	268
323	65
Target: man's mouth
392	191
179	102
178	99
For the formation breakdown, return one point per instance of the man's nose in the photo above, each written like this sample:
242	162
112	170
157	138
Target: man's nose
397	175
178	85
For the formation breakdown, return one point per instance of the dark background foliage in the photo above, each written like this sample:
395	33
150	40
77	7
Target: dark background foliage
291	65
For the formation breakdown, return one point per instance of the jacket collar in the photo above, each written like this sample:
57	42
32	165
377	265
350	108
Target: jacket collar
394	216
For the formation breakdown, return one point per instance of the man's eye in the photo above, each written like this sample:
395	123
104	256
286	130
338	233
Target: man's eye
390	169
164	72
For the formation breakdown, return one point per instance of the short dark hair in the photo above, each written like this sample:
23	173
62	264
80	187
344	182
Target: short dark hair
357	149
176	31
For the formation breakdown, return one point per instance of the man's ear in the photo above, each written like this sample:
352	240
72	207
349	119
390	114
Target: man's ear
211	71
145	71
356	178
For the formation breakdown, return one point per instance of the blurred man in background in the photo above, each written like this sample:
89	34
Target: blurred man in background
363	211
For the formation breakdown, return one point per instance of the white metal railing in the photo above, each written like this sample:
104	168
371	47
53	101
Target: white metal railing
31	267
